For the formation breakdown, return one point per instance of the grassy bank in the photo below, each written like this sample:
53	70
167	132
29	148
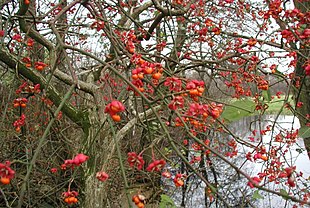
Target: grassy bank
238	109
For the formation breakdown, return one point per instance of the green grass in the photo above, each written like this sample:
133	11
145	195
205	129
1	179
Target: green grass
237	109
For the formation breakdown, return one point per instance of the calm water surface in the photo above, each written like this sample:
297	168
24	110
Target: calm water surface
233	188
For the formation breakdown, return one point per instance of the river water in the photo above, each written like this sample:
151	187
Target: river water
232	187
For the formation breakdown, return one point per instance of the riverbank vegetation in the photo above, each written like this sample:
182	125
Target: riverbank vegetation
238	109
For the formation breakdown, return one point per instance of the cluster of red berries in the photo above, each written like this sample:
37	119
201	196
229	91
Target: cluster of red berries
37	65
102	176
20	102
156	165
196	88
263	85
139	200
28	88
19	123
289	174
114	108
76	161
6	173
70	197
144	69
178	180
135	160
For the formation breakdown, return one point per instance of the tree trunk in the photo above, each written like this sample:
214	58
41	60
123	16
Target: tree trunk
302	94
95	144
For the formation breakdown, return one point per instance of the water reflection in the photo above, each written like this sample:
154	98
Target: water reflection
232	187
